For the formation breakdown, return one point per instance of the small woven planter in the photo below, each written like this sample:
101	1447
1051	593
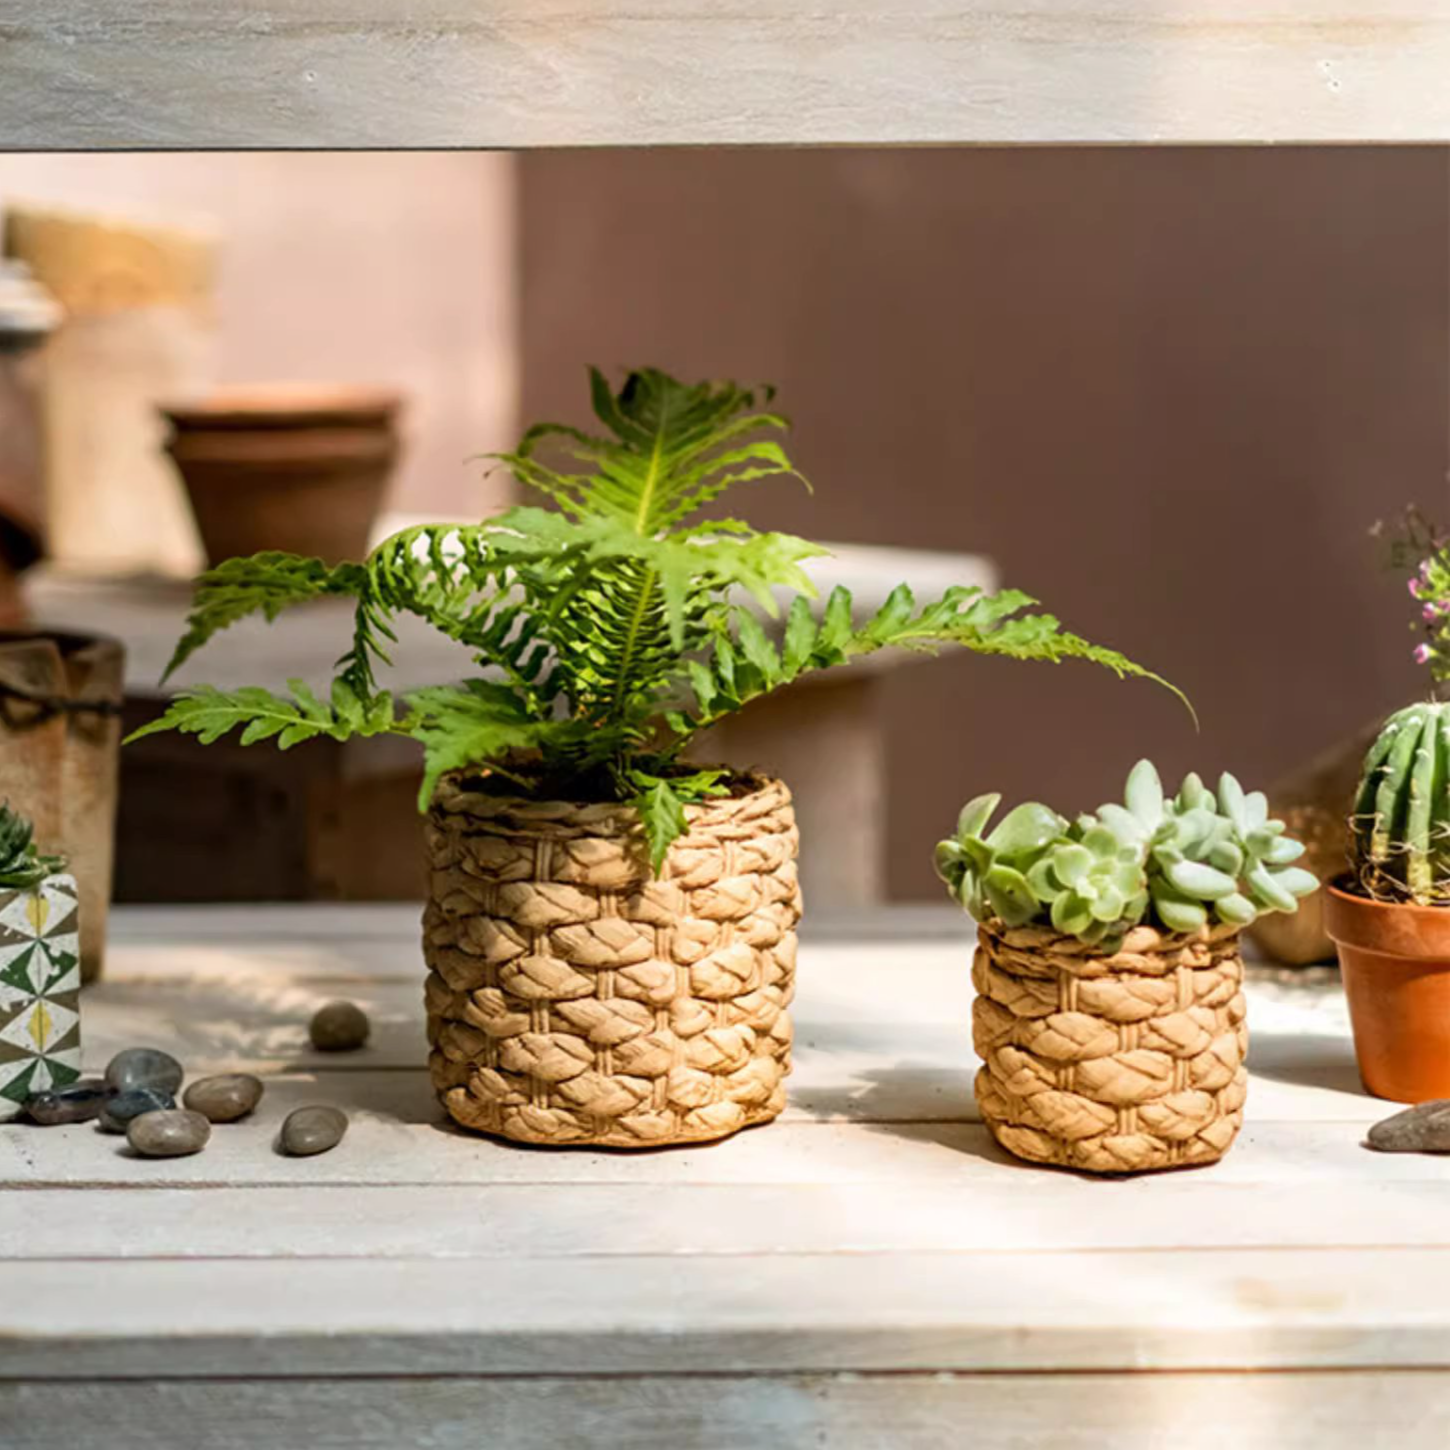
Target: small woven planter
1110	1064
575	999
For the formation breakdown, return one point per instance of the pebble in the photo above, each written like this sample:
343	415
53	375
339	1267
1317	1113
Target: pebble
144	1067
312	1130
77	1102
168	1133
225	1098
121	1107
1425	1128
339	1027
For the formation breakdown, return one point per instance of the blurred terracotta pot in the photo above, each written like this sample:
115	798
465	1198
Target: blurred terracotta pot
299	469
1395	960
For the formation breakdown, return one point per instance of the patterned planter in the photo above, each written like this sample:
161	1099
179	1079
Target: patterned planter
1111	1064
574	999
40	979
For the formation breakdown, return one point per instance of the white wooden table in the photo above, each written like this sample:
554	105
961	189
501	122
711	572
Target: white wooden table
868	1271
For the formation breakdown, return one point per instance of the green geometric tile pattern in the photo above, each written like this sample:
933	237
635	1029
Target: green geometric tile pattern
40	982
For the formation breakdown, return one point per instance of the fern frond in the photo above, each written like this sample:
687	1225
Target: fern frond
471	726
747	664
264	584
666	453
661	805
210	713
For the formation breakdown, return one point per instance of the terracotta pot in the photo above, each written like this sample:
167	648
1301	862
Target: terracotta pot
1395	960
300	469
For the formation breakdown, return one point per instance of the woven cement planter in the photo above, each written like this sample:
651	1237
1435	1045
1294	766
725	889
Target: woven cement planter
573	999
1110	1064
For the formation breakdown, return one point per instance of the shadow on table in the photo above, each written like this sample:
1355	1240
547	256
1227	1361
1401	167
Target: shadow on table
1306	1059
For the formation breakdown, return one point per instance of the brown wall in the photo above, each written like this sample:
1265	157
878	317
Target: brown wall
1167	390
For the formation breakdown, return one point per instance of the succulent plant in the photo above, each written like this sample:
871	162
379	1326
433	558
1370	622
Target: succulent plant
1401	817
21	863
1183	862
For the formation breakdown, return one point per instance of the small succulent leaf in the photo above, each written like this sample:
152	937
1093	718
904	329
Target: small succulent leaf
1256	809
1071	864
1107	902
1193	793
1043	881
1101	843
1266	888
1226	857
1011	897
1071	914
1194	878
950	860
1178	913
1231	800
1236	909
1122	822
976	813
1282	850
1296	881
1144	794
1025	829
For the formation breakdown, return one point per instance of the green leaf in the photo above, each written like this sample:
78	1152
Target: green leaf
662	813
209	713
264	584
1144	794
976	813
1011	897
800	637
473	726
1025	829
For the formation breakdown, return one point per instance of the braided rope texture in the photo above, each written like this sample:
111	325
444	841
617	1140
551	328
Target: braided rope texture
573	998
1111	1064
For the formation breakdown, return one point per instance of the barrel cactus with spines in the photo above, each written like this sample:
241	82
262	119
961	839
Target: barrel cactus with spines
1182	862
1402	810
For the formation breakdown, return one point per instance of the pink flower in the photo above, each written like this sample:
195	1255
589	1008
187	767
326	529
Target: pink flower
1414	587
1423	653
1431	611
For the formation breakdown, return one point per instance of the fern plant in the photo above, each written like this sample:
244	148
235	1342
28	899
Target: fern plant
608	629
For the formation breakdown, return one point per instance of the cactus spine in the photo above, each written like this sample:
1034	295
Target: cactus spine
1402	811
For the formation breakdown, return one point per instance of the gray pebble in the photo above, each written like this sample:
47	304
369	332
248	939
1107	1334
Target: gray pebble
120	1108
1425	1128
144	1067
339	1027
225	1098
77	1102
168	1133
312	1130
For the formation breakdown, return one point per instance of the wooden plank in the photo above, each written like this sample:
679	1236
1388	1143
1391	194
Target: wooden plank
520	73
398	1136
1015	1213
859	1055
1228	1309
846	1412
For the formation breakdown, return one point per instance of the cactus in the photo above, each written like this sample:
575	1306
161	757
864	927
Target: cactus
1401	823
1183	862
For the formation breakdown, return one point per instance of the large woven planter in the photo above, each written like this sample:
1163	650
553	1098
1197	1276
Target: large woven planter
575	999
1111	1064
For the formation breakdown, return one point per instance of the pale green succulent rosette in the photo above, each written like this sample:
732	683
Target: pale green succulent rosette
1181	863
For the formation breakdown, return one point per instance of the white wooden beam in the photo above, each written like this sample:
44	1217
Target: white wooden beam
524	73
